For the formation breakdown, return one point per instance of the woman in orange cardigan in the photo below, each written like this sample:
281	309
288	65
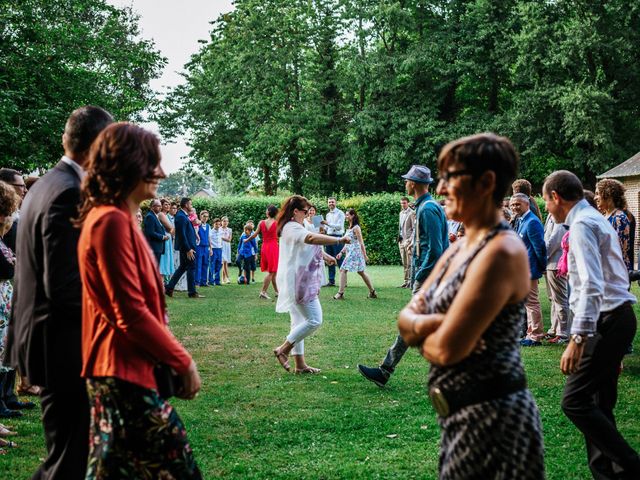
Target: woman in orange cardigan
134	432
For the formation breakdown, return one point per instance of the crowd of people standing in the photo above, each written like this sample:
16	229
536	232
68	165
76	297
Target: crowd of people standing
84	280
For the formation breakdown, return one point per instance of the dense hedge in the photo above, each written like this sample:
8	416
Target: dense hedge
378	218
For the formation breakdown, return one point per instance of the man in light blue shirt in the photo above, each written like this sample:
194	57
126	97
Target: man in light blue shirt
603	326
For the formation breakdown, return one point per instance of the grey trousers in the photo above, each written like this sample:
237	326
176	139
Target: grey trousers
398	349
558	293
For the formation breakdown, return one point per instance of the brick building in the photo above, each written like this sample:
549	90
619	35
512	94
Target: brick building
628	172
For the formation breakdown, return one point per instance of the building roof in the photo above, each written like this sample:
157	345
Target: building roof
628	168
205	192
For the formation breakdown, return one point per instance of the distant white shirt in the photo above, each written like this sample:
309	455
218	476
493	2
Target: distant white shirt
598	277
335	220
79	170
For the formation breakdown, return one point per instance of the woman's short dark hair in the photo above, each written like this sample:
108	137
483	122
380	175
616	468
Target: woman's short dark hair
590	197
272	211
83	126
286	210
121	157
355	220
481	153
566	184
612	189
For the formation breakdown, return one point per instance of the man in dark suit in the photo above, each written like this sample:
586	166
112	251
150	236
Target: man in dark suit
186	245
44	333
531	232
154	231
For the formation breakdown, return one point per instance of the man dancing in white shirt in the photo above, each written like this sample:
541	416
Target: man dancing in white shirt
603	326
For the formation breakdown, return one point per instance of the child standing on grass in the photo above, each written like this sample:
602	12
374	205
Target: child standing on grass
246	253
226	249
203	250
255	254
215	260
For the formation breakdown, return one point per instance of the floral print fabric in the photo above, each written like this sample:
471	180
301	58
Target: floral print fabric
6	292
620	223
135	434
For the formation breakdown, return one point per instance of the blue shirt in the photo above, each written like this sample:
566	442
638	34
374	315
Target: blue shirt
249	248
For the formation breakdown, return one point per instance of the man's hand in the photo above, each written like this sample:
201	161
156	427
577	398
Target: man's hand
571	358
191	254
324	222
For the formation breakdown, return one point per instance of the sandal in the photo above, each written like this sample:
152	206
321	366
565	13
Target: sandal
7	443
283	359
32	390
5	432
264	295
308	369
372	294
339	296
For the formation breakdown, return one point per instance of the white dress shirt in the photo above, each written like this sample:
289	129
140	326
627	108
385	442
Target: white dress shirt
79	170
335	221
598	277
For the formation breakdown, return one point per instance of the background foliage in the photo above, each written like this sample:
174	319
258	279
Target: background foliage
320	95
57	55
378	218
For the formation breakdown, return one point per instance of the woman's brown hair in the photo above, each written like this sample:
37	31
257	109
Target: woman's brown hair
609	188
286	210
8	200
121	156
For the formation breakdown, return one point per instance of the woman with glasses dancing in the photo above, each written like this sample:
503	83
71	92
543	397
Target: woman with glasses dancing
466	317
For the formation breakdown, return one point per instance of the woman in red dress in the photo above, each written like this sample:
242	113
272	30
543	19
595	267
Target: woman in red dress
269	251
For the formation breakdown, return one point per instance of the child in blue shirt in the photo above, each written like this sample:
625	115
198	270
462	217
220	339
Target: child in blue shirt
246	254
215	261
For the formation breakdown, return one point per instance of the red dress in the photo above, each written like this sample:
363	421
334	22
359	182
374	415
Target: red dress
269	250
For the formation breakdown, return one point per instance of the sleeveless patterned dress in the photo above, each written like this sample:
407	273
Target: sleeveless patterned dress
495	439
353	260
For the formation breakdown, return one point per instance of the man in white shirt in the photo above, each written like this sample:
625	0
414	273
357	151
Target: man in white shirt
603	326
334	225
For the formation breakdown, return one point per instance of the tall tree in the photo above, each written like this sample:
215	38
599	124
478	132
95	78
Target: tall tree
56	55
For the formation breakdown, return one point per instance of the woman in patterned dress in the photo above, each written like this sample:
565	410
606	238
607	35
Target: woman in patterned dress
356	257
611	202
465	320
166	259
227	235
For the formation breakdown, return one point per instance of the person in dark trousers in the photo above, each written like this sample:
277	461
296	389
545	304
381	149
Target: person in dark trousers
186	245
604	324
153	230
431	240
44	333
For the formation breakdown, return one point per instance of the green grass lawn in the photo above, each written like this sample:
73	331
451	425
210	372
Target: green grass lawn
254	420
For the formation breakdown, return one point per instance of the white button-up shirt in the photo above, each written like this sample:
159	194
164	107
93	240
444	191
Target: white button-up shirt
335	220
598	277
79	170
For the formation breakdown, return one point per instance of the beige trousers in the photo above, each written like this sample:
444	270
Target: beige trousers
535	327
406	250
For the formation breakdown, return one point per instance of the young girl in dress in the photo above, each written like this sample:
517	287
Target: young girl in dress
355	258
226	250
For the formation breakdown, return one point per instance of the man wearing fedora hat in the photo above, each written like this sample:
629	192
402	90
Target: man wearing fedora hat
430	241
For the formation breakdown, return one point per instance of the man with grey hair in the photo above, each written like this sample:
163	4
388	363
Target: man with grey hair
154	231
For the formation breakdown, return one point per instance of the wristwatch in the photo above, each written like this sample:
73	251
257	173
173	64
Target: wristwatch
578	339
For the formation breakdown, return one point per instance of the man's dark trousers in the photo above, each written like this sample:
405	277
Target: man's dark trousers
590	396
333	250
66	437
188	266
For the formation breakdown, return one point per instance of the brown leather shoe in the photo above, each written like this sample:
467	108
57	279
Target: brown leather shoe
195	295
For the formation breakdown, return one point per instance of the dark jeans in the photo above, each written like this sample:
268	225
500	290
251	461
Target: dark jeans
215	264
591	393
333	250
399	347
248	264
65	417
188	266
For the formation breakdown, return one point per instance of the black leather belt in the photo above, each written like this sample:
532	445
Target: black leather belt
446	402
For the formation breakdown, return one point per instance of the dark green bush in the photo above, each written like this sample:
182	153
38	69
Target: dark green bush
378	218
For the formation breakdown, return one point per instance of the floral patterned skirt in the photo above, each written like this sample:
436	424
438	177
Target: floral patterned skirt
135	434
6	292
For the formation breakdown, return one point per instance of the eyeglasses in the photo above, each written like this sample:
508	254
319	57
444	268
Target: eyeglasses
305	210
447	176
21	185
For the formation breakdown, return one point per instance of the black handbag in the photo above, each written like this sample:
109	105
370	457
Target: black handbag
169	383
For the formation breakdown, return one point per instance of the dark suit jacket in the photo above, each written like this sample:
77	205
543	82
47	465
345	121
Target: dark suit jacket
531	231
44	333
185	234
155	232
